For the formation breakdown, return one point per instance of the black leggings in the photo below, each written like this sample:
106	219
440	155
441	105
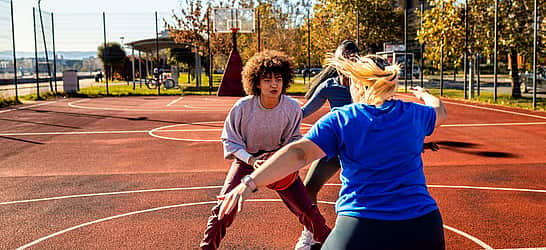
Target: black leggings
423	233
319	173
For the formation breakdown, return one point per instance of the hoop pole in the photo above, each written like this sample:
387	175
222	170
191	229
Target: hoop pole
234	37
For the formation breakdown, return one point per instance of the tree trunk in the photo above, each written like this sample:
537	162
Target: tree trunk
516	90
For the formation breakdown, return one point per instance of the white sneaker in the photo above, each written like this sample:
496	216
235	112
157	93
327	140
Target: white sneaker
305	241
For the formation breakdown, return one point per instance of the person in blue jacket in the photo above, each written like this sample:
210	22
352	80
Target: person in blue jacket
383	202
329	86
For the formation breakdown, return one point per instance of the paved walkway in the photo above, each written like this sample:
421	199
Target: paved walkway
486	85
30	88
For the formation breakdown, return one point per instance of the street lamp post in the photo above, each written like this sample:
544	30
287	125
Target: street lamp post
535	28
422	2
495	52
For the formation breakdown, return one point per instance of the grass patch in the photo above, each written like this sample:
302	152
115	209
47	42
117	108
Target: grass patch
297	88
9	101
124	90
487	97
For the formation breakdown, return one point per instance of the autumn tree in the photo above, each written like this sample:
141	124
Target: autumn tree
515	30
380	21
280	23
443	31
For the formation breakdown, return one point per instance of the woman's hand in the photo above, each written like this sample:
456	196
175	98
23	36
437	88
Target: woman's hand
418	92
233	199
257	161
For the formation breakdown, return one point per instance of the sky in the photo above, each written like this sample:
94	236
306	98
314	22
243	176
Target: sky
78	24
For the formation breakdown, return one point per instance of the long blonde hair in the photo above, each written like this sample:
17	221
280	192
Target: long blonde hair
373	78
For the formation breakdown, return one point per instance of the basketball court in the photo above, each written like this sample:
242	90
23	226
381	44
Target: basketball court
144	172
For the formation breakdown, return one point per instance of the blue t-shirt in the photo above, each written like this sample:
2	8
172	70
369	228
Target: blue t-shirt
380	153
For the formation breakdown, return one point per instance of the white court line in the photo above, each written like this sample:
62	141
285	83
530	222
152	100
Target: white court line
74	105
212	187
76	133
108	132
165	128
160	130
175	101
490	188
530	248
109	193
110	218
473	187
31	106
468	236
493	124
494	109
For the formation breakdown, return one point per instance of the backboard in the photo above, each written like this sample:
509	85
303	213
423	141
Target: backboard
228	20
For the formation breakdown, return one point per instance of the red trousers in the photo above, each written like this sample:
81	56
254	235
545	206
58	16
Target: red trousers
294	197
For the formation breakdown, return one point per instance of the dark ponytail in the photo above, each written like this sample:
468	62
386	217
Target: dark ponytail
346	49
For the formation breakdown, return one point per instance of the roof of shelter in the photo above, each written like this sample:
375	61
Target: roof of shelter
149	45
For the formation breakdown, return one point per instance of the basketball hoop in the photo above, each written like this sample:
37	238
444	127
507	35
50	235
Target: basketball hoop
233	20
225	20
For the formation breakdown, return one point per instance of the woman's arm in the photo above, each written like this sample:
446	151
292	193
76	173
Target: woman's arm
432	101
285	161
315	102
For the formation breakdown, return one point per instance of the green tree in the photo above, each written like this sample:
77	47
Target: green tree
112	57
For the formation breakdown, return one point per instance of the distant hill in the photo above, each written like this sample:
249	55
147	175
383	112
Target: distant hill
6	54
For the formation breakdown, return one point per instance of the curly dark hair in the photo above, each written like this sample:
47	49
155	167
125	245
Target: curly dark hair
265	63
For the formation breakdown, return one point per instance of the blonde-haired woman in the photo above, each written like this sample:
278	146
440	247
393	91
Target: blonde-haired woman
384	202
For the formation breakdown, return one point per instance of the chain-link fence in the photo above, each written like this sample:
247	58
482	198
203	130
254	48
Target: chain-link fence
64	41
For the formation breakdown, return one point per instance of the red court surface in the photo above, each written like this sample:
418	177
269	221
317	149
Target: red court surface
143	173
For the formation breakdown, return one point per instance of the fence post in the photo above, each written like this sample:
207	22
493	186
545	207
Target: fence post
37	76
54	54
14	54
105	50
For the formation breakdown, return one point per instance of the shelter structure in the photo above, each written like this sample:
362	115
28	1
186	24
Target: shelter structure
151	48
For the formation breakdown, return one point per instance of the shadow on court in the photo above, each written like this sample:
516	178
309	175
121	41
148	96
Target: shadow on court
461	147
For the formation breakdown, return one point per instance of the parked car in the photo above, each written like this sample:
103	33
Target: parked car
311	72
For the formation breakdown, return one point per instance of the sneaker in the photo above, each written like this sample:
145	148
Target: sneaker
306	241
